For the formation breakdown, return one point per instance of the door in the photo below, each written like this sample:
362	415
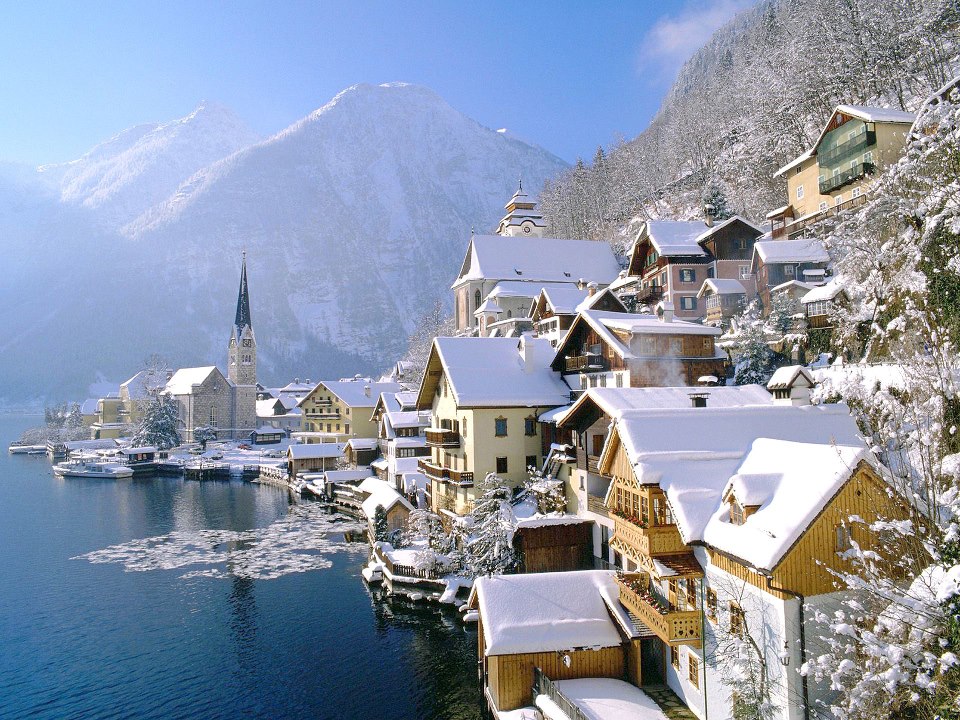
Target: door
651	661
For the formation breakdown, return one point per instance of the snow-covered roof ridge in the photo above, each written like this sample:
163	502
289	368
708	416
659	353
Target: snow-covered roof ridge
549	612
722	286
869	113
723	223
381	494
360	392
496	257
183	380
799	250
490	372
676	237
786	377
827	291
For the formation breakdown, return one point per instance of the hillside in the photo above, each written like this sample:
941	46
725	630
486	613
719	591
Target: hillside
753	98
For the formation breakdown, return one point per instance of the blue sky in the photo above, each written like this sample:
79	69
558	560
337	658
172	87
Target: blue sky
566	75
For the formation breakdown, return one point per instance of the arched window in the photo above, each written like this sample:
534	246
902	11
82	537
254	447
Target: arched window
476	300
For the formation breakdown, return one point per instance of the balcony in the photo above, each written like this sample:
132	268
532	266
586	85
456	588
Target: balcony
675	627
846	177
595	505
649	295
845	149
585	363
324	415
590	463
442	438
464	478
649	541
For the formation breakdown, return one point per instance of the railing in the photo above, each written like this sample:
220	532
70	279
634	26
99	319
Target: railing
574	363
398	569
435	472
793	229
442	438
854	145
588	462
596	505
542	685
847	176
676	627
650	294
324	415
648	541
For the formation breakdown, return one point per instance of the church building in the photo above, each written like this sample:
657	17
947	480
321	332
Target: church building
228	404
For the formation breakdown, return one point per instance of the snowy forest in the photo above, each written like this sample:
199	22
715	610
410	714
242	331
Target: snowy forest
751	100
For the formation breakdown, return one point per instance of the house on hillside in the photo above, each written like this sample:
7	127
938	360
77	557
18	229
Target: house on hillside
838	172
728	522
485	395
554	309
722	299
502	274
337	410
613	349
776	262
673	258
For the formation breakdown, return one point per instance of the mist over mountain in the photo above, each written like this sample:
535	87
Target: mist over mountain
354	219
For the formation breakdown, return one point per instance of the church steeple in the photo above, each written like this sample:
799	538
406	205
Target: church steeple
522	217
242	351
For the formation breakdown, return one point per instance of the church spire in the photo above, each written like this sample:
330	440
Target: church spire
243	301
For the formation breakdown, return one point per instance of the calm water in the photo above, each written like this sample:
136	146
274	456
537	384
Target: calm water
158	598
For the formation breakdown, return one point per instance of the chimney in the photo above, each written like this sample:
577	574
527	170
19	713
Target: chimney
366	390
581	284
699	400
527	352
665	310
591	289
708	212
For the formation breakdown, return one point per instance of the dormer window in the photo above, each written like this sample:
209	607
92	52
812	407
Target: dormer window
736	512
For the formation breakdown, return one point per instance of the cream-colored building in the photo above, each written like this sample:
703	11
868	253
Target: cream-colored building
337	410
839	170
485	395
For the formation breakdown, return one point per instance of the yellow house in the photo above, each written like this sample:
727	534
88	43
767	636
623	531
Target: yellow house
338	410
485	395
838	171
111	422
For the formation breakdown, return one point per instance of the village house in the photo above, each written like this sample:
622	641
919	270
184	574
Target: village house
111	421
502	274
837	173
378	493
555	308
313	458
776	262
485	395
728	522
337	410
722	299
401	440
613	349
673	258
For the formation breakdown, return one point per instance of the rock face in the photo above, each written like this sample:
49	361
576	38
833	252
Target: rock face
354	219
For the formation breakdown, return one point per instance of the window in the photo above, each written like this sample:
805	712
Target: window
675	656
647	345
799	169
741	243
691	594
736	513
663	280
712	604
406	452
868	156
676	346
744	272
708	343
476	300
500	427
789	271
799	192
688	302
820	179
839	199
738	621
619	379
529	426
603	381
856	192
464	426
502	465
843	540
693	669
531	461
346	428
688	275
823	205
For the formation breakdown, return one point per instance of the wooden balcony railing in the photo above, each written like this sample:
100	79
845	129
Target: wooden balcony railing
649	541
442	474
585	363
676	627
595	505
585	461
442	438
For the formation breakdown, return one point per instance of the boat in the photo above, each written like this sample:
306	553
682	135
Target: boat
93	469
18	449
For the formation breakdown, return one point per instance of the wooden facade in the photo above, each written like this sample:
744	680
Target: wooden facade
555	548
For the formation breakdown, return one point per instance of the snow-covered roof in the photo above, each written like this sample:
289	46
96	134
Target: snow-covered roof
268	408
360	392
381	494
490	372
693	454
719	226
90	406
362	443
600	698
614	402
184	379
140	385
877	114
722	286
314	451
793	284
676	237
777	212
564	299
825	292
138	450
343	476
523	289
402	466
799	250
787	377
298	387
495	257
549	612
489	305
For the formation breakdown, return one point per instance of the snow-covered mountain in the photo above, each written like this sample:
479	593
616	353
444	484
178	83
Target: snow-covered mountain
354	219
143	165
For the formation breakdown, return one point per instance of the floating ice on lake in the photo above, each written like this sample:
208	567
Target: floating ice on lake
297	542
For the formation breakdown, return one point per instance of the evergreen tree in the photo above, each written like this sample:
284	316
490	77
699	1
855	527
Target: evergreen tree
75	418
715	202
160	424
490	550
752	356
203	435
380	529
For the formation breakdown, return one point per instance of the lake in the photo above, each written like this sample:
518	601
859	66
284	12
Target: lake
161	598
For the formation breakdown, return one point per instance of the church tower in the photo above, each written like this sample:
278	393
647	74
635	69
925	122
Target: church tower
242	353
521	219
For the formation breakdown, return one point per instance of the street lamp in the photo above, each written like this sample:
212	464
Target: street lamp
785	655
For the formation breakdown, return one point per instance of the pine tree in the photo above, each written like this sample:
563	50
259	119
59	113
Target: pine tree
75	418
160	424
203	435
381	530
752	356
715	201
490	550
